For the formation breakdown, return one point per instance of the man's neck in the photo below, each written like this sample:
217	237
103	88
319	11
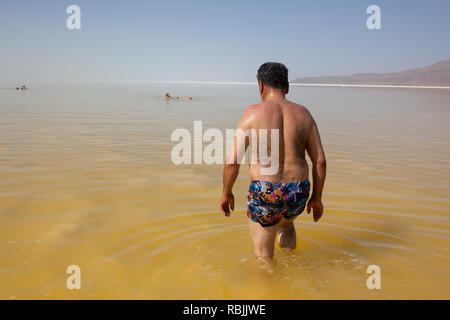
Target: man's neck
274	95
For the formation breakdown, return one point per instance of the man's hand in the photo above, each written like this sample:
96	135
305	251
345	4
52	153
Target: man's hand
317	207
227	203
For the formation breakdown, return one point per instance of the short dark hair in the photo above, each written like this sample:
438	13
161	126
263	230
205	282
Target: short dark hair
273	74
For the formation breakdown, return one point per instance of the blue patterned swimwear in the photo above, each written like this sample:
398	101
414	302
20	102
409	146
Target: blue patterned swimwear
268	202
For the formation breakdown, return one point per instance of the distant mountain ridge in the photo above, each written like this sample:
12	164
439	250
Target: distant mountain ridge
437	74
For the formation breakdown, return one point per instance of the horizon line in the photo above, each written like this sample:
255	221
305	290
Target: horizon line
290	83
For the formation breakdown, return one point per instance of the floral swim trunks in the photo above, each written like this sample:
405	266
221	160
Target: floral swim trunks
268	202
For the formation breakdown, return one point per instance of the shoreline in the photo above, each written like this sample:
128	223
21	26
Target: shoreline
342	85
366	85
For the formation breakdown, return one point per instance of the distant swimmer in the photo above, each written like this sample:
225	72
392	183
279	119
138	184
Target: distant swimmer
168	97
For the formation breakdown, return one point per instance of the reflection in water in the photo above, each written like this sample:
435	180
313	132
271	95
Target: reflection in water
86	179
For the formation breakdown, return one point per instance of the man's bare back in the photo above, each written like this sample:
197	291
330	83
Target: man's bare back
296	131
275	199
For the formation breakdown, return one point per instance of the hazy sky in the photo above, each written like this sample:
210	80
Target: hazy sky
217	40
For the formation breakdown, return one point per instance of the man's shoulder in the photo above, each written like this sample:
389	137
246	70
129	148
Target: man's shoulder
299	107
261	107
302	111
254	109
248	116
258	106
265	107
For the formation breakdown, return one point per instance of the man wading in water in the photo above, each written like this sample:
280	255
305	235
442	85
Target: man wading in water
275	200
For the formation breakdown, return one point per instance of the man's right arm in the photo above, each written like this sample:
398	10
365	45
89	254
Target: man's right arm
232	165
319	169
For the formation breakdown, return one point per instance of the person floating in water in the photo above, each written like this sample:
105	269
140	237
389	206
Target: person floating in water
168	97
23	87
274	201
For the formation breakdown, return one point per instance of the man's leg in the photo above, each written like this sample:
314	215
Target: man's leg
287	237
263	239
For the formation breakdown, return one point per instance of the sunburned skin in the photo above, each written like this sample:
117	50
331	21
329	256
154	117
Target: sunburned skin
297	131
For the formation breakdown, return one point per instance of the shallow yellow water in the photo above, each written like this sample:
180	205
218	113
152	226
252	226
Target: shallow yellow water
86	179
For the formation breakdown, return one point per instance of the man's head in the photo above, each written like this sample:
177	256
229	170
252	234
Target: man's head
273	75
